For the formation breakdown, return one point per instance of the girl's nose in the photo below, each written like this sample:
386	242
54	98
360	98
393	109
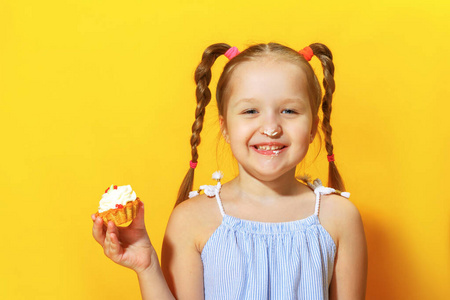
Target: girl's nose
270	127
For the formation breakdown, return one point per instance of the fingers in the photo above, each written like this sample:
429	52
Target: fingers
112	247
112	228
108	239
97	230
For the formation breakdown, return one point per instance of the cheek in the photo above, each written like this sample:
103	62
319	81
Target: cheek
301	132
239	135
302	124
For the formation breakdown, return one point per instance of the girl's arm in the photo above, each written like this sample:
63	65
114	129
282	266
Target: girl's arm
153	284
350	271
180	258
131	247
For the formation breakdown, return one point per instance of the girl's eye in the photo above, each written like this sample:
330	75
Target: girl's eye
250	111
288	111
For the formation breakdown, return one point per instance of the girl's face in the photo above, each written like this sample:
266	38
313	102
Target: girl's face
269	122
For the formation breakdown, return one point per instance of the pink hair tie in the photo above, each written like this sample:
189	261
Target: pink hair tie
232	52
330	157
192	164
307	53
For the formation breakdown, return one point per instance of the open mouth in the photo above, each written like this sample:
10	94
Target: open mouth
269	149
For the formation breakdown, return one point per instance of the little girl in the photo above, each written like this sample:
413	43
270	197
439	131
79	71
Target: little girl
264	234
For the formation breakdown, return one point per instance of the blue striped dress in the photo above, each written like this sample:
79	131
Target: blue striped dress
258	260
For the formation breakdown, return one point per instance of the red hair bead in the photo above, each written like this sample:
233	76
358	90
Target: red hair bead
307	53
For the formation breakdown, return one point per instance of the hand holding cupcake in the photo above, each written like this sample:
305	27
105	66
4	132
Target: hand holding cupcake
127	244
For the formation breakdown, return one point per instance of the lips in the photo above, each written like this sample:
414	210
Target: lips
269	148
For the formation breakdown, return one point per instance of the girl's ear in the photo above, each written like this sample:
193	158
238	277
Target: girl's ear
223	129
314	127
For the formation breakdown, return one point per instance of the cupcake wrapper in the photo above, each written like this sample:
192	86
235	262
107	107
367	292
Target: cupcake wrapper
120	215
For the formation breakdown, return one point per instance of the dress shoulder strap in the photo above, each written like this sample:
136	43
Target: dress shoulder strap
219	202
212	190
319	190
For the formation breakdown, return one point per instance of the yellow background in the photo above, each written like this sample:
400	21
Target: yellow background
100	92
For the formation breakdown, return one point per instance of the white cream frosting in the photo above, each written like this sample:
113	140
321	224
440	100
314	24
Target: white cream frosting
114	196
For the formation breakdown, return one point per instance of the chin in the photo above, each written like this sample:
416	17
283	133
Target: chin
270	173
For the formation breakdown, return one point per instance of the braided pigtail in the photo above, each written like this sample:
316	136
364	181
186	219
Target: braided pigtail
203	95
326	58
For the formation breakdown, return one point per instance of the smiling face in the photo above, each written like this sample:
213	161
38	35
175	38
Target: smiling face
268	118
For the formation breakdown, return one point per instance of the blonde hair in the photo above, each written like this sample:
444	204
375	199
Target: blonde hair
254	53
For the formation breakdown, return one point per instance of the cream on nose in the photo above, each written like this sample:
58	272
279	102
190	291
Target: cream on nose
270	132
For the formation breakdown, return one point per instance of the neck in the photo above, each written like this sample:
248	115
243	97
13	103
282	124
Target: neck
251	187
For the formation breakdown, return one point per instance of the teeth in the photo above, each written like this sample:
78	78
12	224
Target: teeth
269	148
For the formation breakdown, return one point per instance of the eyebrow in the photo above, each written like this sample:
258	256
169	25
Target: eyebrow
287	100
246	100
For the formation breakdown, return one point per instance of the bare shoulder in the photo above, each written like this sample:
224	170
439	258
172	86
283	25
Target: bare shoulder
339	216
199	209
195	218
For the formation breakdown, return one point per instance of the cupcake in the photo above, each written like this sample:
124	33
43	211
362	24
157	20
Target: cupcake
118	204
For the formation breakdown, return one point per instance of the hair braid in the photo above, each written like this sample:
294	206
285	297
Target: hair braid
203	94
326	58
